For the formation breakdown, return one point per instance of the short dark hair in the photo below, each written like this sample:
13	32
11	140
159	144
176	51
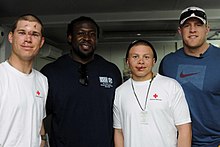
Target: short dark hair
28	17
72	24
138	42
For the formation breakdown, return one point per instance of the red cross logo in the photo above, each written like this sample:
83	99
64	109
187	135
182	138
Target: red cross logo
155	95
38	92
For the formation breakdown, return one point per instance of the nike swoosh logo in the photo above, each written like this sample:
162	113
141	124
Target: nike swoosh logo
182	75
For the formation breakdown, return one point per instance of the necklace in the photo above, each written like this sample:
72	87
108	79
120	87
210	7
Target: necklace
148	89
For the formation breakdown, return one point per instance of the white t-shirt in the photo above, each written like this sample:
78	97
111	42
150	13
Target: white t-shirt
22	106
166	107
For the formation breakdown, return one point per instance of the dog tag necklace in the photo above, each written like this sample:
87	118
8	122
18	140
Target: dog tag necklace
143	113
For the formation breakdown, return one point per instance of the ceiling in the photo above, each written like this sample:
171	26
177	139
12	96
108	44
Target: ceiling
120	21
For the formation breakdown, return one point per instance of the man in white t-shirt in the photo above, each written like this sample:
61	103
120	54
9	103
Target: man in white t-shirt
150	110
23	90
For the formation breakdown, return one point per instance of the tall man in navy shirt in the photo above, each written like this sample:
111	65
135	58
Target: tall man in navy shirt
81	91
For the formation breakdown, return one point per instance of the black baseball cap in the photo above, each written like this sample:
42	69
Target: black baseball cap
193	12
141	41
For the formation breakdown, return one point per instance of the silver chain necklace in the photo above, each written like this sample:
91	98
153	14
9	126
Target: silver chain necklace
148	89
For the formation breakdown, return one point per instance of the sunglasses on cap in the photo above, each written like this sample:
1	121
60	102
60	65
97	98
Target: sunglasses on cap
193	13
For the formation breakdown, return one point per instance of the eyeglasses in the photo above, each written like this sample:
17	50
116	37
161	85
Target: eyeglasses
197	13
83	79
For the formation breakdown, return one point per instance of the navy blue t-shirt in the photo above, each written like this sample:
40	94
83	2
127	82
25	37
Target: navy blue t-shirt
81	115
199	77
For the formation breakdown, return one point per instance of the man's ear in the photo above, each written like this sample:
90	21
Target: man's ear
42	41
207	29
10	36
179	31
127	63
69	39
154	60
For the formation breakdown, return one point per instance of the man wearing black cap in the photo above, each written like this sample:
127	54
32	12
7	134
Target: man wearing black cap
196	66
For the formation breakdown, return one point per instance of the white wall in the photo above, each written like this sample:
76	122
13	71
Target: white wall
40	62
5	46
47	54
